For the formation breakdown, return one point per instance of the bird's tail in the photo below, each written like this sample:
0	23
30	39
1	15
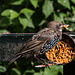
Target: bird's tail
15	58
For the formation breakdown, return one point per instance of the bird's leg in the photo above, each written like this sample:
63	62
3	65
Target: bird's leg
46	64
49	62
42	61
38	59
54	63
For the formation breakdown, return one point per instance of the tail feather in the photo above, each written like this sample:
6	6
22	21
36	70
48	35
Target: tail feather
15	58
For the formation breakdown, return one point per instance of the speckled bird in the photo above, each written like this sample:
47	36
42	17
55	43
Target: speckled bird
42	41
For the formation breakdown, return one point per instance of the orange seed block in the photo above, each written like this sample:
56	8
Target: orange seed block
61	53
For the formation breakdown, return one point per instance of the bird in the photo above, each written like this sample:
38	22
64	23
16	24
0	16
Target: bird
42	41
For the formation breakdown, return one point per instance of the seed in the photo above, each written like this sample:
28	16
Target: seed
62	53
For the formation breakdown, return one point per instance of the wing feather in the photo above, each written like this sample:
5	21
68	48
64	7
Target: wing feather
37	41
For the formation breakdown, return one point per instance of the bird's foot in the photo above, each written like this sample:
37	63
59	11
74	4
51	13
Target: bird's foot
38	59
42	61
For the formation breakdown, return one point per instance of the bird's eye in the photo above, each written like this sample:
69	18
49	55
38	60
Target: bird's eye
59	24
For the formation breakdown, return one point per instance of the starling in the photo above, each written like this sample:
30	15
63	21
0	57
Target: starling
42	41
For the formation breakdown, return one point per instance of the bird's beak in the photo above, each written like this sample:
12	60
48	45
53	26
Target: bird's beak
65	25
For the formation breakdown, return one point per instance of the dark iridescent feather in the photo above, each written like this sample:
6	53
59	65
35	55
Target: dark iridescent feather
50	45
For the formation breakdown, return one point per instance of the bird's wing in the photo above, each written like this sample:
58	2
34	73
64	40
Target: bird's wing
38	40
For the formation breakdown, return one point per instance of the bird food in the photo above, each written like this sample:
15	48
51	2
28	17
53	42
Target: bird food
62	53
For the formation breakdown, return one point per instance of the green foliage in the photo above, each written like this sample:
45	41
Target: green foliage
47	8
2	31
11	13
16	2
2	69
27	68
73	1
65	3
27	12
19	16
54	70
14	71
34	3
23	21
33	15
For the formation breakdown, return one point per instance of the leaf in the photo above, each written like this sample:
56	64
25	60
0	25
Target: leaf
34	3
14	71
42	22
73	1
65	3
72	27
16	2
47	8
4	22
37	73
68	13
30	23
2	69
29	72
5	12
23	21
27	12
2	31
11	13
54	70
59	17
73	10
56	18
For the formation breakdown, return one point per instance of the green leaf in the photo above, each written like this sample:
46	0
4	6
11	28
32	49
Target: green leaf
54	70
16	2
14	71
2	69
4	22
23	21
30	23
34	3
73	10
13	14
29	72
42	22
47	8
68	13
37	73
73	1
27	12
5	12
56	18
65	3
2	31
59	17
46	71
72	27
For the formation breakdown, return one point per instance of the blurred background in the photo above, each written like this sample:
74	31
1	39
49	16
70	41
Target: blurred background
29	16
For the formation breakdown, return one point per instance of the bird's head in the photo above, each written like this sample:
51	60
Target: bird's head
57	25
